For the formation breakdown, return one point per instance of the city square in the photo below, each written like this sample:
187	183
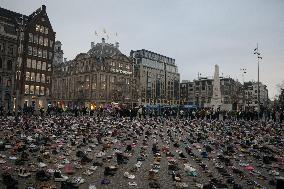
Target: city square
141	108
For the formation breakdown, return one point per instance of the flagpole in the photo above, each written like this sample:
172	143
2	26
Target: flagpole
258	95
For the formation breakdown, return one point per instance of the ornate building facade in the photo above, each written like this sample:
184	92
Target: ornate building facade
34	51
99	77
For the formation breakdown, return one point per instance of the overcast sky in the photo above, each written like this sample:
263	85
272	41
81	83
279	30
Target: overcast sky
197	33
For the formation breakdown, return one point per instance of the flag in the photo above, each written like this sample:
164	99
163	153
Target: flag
255	49
96	33
260	57
116	34
104	30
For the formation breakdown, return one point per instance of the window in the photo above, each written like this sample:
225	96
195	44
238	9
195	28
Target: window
9	65
38	65
94	82
41	29
37	90
38	77
44	54
40	41
37	28
32	89
36	39
30	50
50	43
43	66
11	50
27	76
42	78
48	67
47	79
50	55
47	91
103	86
27	89
111	79
1	63
34	64
34	51
41	92
46	31
39	52
32	76
29	63
30	37
103	78
8	83
45	43
1	47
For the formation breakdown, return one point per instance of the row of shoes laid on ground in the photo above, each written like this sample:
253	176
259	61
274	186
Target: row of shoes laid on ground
189	150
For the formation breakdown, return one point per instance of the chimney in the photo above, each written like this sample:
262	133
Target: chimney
103	40
117	45
43	7
92	45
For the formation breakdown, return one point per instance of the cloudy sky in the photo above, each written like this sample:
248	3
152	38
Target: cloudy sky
197	33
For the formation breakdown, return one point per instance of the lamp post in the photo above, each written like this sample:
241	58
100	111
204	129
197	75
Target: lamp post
257	53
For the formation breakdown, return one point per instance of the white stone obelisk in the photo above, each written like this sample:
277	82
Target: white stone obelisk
216	101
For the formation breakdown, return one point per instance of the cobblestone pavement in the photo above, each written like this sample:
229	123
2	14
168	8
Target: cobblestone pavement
179	153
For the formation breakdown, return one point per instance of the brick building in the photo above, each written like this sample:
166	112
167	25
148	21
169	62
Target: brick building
33	68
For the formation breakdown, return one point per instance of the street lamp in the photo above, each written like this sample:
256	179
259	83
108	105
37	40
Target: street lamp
257	53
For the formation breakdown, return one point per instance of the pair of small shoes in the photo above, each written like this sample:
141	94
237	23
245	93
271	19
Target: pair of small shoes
128	175
24	173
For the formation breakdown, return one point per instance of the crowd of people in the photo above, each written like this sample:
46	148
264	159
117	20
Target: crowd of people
133	148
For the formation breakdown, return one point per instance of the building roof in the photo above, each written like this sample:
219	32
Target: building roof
16	18
104	50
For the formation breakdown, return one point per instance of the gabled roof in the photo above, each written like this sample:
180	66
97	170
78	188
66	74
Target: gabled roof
16	18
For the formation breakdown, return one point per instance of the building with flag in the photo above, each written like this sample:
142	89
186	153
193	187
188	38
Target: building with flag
99	77
28	56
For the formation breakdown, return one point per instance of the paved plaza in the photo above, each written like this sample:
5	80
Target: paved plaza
86	152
